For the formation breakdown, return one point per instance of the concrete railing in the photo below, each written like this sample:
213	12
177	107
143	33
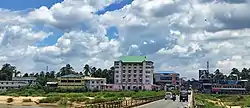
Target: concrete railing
191	102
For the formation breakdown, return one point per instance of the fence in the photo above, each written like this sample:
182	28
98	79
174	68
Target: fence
127	103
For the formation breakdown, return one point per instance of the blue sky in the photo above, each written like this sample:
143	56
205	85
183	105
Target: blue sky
16	5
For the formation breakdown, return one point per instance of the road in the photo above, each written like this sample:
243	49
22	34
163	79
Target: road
166	104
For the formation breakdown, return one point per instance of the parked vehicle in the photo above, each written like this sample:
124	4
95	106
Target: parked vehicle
168	95
184	96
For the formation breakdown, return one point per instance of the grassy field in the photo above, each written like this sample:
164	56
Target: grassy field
222	100
86	97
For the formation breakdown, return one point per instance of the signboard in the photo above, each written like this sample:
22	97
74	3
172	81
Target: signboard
203	74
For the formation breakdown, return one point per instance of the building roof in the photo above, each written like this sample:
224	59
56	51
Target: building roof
51	83
168	72
133	58
71	76
93	78
23	78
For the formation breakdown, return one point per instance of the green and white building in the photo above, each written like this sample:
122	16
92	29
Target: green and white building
133	72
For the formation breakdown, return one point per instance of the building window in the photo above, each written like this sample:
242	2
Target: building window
123	75
134	75
128	87
93	81
140	80
117	81
117	71
134	71
129	71
123	71
147	71
134	67
117	76
135	80
129	75
147	76
147	80
101	81
123	87
123	80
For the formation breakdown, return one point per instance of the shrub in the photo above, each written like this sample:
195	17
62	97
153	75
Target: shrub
27	100
50	99
9	100
79	99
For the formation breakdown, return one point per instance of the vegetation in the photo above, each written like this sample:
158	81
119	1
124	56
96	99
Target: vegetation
222	100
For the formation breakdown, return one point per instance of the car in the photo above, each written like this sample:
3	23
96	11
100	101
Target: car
183	96
168	95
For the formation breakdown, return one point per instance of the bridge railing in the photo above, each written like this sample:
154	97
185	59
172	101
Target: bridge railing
126	103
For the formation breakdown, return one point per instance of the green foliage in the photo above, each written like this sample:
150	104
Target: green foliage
50	99
230	100
78	99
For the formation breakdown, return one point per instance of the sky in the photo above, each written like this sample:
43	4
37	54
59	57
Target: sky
178	35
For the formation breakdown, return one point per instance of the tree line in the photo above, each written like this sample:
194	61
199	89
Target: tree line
235	74
8	71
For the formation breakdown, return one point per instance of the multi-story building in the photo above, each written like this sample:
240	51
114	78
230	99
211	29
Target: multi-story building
167	78
76	81
133	72
71	81
17	82
5	85
95	83
30	80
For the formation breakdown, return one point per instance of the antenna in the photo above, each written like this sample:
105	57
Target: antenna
208	66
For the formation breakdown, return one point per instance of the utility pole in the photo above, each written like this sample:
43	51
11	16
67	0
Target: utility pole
47	68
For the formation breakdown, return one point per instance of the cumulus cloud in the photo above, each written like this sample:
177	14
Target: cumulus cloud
179	35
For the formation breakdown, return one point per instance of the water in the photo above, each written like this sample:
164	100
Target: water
13	106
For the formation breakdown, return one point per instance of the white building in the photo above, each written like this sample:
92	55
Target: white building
133	72
93	83
30	80
5	85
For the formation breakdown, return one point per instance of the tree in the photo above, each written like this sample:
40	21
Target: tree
8	71
244	74
16	73
93	70
111	73
26	75
234	72
41	74
218	75
47	75
66	70
86	70
52	74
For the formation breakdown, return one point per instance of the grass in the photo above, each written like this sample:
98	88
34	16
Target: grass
63	98
229	100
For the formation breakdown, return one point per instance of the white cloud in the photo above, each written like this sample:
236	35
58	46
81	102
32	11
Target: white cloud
177	35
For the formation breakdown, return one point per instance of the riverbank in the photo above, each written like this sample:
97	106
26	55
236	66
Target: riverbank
20	101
